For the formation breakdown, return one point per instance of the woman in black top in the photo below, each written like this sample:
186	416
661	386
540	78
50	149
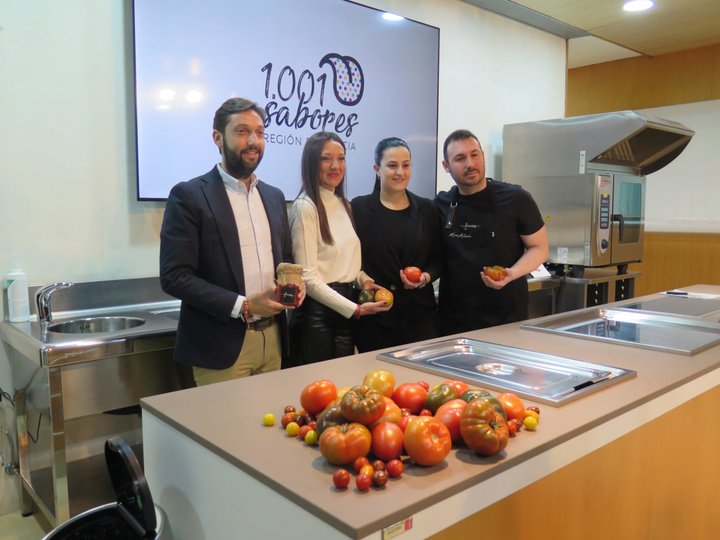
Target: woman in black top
398	229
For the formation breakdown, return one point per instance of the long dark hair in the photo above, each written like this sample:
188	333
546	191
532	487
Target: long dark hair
309	168
390	142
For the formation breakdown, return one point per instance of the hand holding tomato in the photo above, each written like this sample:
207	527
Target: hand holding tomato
496	277
413	278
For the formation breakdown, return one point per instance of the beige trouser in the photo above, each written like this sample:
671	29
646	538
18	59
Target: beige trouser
260	353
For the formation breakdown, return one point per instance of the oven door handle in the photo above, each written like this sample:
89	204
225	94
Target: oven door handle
621	229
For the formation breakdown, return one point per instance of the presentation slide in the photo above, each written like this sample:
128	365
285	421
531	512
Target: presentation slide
313	65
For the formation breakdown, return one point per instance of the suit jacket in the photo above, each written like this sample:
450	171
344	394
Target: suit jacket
201	264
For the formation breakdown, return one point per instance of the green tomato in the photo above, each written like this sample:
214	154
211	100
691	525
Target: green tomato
366	295
469	395
442	393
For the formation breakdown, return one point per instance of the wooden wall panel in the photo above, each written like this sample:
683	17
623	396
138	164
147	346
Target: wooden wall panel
655	483
643	82
673	260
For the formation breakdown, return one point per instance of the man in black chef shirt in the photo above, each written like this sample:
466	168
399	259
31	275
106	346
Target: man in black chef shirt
484	223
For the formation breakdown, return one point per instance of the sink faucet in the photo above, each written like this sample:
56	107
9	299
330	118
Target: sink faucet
42	297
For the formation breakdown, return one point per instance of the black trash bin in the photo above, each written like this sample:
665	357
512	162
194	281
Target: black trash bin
133	517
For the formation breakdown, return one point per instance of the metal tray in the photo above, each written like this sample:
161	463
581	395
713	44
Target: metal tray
553	380
680	335
677	305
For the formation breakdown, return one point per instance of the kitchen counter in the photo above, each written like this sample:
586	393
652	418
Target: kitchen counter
214	468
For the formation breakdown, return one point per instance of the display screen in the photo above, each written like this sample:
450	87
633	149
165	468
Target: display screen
313	65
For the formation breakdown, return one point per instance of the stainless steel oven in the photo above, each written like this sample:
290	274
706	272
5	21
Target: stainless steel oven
588	174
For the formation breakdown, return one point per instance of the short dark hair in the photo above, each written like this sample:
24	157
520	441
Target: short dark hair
458	135
309	169
233	106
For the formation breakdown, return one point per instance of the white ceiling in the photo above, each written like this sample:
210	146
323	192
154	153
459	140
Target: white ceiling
601	31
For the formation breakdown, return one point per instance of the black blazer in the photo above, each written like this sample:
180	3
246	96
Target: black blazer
200	263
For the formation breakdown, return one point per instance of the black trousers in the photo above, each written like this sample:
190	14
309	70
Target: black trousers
319	333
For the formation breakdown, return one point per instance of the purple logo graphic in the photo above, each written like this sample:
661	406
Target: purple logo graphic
349	81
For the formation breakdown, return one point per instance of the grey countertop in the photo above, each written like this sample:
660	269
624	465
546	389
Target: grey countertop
226	418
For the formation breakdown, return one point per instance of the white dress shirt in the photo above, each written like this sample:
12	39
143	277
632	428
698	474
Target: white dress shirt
323	263
254	233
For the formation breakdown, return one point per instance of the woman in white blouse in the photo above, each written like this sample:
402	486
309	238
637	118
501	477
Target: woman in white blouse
325	244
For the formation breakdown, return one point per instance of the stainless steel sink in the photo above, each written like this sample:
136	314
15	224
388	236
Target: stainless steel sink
96	325
545	378
633	327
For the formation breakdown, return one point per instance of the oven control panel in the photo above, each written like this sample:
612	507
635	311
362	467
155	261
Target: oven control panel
604	211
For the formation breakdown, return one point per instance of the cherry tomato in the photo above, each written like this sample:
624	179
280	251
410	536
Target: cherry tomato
367	469
269	419
496	273
360	462
425	412
512	428
530	423
413	274
311	437
425	385
382	381
288	409
312	424
287	418
535	415
536	409
317	395
518	423
394	468
341	478
410	396
387	440
379	478
378	465
427	440
512	405
363	482
303	431
292	429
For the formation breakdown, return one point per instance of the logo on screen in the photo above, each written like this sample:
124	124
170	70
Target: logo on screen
349	82
298	101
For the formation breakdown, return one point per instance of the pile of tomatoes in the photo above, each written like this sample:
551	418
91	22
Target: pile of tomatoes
379	419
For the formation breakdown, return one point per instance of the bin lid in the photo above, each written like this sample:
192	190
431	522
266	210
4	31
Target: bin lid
131	489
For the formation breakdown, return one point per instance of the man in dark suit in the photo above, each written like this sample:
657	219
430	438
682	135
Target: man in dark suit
222	237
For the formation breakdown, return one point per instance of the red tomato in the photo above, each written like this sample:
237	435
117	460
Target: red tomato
496	273
303	431
402	424
363	404
341	445
360	462
341	478
425	385
387	441
459	386
449	414
482	428
512	405
394	468
425	412
410	396
382	381
379	478
287	418
427	440
317	395
363	482
392	413
512	428
413	274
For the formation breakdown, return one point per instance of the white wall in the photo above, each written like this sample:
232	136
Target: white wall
67	186
684	196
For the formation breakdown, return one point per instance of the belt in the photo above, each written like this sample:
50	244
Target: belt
345	289
262	324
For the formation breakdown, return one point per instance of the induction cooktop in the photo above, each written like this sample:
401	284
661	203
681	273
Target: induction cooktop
677	305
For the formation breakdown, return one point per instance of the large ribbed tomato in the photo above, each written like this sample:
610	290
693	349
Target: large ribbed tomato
341	445
363	404
482	428
427	440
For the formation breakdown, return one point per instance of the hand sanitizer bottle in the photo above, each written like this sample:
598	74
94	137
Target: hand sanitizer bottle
17	292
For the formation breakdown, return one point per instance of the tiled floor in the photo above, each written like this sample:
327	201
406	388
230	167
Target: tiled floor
14	526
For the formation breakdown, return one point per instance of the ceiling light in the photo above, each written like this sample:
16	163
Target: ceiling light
392	17
638	5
